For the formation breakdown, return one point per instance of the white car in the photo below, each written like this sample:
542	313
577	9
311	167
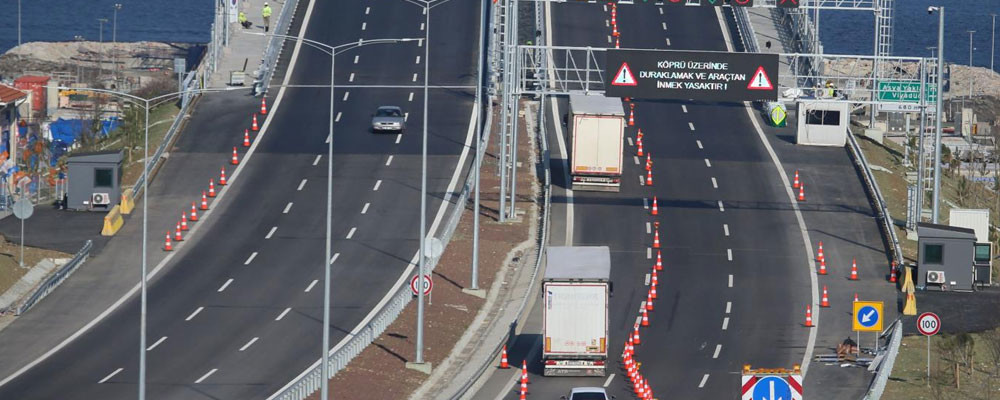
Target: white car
588	393
388	118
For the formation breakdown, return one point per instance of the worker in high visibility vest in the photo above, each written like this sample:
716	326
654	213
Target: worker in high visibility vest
242	18
266	13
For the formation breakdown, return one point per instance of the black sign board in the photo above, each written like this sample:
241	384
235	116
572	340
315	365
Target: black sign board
697	75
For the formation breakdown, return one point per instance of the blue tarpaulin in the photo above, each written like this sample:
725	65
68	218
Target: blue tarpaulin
68	130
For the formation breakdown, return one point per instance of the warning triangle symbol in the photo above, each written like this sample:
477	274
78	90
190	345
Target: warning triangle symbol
624	76
760	81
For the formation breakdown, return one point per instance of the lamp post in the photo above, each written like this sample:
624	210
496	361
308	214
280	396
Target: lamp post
18	22
970	60
993	41
332	51
100	39
114	40
935	196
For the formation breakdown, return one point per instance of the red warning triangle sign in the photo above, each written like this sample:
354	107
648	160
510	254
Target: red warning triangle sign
624	76
760	81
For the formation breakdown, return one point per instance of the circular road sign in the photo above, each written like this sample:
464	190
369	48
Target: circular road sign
867	316
428	284
23	209
928	324
771	387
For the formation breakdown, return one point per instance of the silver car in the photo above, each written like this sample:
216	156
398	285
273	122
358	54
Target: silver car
588	393
388	118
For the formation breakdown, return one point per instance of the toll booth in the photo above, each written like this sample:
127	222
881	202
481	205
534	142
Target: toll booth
94	180
822	123
946	256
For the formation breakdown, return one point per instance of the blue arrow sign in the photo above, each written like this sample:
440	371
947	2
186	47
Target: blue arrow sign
772	388
867	316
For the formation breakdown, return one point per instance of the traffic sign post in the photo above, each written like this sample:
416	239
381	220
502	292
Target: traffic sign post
427	284
23	208
928	324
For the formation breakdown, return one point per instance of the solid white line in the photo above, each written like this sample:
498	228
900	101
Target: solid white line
225	285
250	343
649	228
684	108
334	258
356	59
608	381
207	374
729	254
271	232
418	60
399	137
303	183
287	207
708	163
153	346
699	144
351	233
388	161
664	25
729	307
730	280
282	315
351	78
636	159
364	25
411	96
718	349
250	259
316	161
691	125
190	317
377	184
414	76
703	380
364	210
721	208
725	228
337	119
725	323
346	95
111	375
310	287
715	184
367	10
630	143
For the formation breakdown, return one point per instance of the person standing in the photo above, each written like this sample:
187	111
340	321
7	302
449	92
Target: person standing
266	13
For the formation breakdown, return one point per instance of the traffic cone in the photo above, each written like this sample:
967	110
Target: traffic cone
654	279
263	106
795	183
645	317
635	336
854	269
649	392
652	290
656	238
617	44
892	272
649	178
254	124
855	297
638	134
194	212
524	371
166	244
631	115
614	27
524	391
824	301
659	261
204	201
638	144
246	138
503	358
649	162
819	254
641	393
802	192
649	300
184	222
235	160
809	316
211	187
656	210
177	233
222	176
822	266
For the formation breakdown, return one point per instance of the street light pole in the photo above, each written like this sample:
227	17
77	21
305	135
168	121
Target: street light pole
18	22
423	194
100	50
145	230
993	41
935	196
114	39
484	5
970	60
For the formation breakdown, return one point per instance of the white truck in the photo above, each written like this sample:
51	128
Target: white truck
576	287
597	126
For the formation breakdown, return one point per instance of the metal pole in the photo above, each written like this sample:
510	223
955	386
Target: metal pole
325	386
145	226
993	41
18	22
928	360
484	5
513	116
423	195
970	63
22	243
937	133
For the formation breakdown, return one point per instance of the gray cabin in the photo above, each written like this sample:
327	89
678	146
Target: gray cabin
94	180
946	257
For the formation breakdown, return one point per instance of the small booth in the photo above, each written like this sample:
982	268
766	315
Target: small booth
945	257
822	123
94	180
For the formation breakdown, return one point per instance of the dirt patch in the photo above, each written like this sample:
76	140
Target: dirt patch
977	375
452	311
10	253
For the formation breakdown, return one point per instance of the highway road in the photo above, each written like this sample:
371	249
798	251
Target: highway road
736	276
237	312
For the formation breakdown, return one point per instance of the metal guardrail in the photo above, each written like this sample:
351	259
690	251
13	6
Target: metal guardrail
878	202
885	368
745	29
274	45
56	279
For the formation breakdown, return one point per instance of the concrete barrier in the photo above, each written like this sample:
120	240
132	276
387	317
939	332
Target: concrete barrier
128	202
112	222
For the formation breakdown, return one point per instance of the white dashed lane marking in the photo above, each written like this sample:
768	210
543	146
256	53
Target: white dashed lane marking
725	228
157	343
729	307
699	144
703	380
718	349
250	259
708	163
721	208
691	125
351	233
271	232
195	313
287	208
346	95
250	343
225	285
364	25
356	59
729	255
715	184
207	374
302	184
388	161
282	315
730	280
316	161
684	108
377	184
725	323
337	119
351	78
310	287
364	210
111	375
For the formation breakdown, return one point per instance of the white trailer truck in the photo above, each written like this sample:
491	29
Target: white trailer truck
597	126
576	287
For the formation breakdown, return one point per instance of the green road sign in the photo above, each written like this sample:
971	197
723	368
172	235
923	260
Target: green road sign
904	92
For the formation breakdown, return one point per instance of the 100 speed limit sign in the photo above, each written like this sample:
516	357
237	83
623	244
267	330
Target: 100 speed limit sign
928	324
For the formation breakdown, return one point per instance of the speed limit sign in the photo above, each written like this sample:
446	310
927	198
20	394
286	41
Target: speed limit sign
928	324
427	283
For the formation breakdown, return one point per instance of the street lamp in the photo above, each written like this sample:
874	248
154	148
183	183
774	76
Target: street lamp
332	51
993	40
935	196
18	22
114	40
100	39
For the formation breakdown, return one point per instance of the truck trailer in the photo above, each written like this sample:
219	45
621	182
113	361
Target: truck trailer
576	287
597	126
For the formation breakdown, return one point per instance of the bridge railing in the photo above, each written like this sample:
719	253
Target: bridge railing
274	45
888	359
56	279
875	195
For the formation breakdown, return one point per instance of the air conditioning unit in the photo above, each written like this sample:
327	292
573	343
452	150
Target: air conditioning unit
935	277
100	199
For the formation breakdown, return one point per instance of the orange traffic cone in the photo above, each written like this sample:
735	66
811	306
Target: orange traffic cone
645	317
809	316
503	358
246	138
649	178
854	269
855	297
235	160
614	27
222	176
177	233
631	115
263	106
892	272
819	254
524	392
524	372
656	238
184	222
824	301
253	125
166	245
635	336
649	300
652	291
656	210
654	279
649	162
659	261
204	201
638	144
795	183
640	392
194	212
211	187
822	266
638	134
802	192
617	44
